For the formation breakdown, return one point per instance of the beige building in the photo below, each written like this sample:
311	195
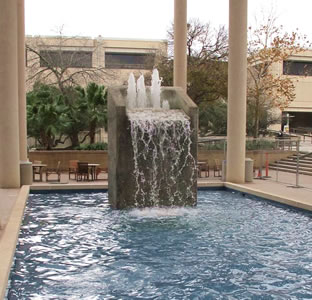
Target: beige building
299	68
103	60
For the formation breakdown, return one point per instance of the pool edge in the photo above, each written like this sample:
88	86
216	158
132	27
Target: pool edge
9	238
270	196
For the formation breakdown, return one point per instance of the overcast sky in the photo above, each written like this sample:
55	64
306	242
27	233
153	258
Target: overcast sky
148	19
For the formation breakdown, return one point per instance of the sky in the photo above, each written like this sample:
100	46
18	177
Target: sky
149	19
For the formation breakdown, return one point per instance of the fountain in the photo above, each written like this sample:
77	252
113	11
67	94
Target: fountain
152	145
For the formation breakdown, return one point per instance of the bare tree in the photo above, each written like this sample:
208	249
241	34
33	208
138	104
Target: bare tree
65	62
207	51
203	41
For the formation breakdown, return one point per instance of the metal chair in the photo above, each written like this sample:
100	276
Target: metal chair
73	168
203	166
82	171
217	168
56	171
37	170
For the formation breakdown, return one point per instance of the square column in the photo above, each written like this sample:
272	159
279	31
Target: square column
180	40
237	87
21	80
9	128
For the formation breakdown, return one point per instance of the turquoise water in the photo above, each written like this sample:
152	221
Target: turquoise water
73	246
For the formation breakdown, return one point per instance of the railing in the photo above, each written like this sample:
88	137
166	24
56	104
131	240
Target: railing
220	143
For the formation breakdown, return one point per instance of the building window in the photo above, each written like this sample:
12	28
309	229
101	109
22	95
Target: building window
299	68
115	60
66	59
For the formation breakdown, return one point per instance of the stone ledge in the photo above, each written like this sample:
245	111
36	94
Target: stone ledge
9	238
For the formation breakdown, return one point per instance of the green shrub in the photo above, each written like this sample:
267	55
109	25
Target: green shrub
93	147
250	145
260	145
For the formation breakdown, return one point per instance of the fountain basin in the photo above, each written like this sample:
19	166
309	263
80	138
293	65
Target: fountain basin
122	180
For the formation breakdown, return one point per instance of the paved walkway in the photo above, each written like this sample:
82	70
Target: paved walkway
7	201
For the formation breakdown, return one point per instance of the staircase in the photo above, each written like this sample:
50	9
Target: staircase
289	164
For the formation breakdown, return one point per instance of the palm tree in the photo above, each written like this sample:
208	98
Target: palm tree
45	110
93	101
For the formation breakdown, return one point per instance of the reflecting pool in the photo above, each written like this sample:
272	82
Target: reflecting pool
231	246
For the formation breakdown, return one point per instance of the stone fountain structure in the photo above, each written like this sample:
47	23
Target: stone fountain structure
152	147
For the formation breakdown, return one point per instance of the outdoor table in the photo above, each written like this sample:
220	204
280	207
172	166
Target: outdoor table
40	167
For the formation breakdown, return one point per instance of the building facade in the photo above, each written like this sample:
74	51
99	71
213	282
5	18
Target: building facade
298	115
103	60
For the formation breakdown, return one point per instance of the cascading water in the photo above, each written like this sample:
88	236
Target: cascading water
161	142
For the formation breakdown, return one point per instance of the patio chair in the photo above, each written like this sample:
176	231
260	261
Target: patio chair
72	168
56	171
203	166
100	170
37	170
217	168
82	171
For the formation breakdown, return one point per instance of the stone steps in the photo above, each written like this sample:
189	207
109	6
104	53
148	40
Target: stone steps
289	164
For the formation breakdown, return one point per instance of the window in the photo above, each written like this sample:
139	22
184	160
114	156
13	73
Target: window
129	60
300	68
66	59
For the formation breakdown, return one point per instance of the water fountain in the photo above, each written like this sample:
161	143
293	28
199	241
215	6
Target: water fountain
152	145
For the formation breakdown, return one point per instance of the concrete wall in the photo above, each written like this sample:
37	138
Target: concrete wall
64	156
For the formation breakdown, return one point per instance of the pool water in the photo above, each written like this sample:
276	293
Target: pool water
231	246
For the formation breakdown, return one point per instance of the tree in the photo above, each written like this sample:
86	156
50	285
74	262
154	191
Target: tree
56	62
213	117
46	112
268	89
58	65
76	119
93	101
207	51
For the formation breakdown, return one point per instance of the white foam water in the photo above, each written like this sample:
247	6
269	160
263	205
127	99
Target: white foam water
161	141
161	212
136	93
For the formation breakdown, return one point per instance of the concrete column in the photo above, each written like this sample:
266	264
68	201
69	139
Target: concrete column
9	128
237	85
180	40
21	80
25	166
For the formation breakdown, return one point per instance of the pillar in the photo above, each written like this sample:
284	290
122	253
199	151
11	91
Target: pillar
9	128
237	86
25	165
21	81
180	40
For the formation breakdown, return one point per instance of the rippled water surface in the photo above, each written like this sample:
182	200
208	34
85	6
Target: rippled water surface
73	246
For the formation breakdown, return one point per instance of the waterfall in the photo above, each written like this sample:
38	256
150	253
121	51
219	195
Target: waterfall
164	169
161	141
